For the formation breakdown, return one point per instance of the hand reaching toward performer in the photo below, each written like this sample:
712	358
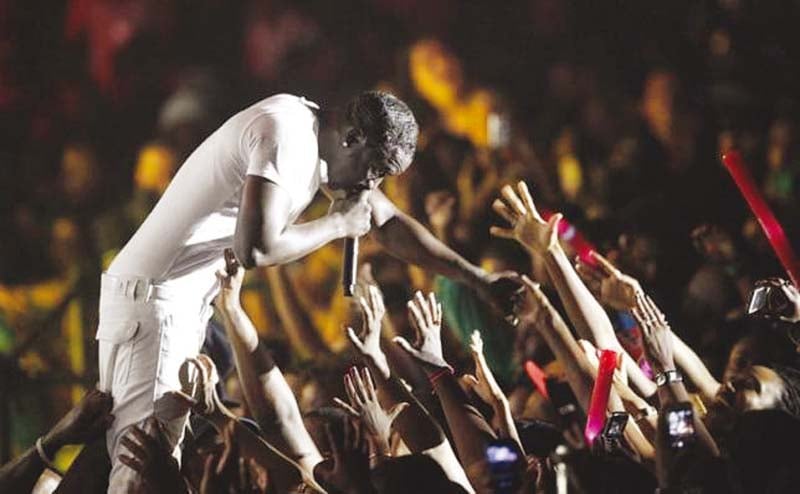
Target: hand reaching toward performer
363	406
151	458
527	225
426	319
610	285
656	333
367	344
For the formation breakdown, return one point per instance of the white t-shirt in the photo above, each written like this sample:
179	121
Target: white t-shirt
181	242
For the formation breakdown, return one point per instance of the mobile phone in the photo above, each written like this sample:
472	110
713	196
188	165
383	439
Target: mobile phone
610	439
768	299
680	425
506	465
615	425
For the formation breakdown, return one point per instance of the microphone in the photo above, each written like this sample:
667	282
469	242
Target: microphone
350	266
350	256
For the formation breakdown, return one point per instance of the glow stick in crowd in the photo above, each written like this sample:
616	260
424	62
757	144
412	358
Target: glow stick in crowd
599	401
537	377
772	229
569	234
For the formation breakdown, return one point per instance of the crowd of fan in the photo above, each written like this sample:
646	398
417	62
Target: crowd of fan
409	419
629	155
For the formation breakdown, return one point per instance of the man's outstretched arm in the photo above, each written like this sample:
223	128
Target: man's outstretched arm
264	236
407	239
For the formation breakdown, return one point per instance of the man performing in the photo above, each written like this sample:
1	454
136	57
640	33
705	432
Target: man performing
244	187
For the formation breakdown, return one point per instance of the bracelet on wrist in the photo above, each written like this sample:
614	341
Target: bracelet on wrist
439	374
668	377
45	459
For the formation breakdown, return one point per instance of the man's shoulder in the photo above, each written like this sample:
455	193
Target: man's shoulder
284	104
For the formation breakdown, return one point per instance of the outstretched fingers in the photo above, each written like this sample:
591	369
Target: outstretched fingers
513	200
527	200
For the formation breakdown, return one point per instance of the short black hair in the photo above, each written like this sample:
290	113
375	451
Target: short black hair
388	125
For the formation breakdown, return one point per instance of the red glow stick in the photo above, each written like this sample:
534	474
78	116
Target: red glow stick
569	234
772	229
537	377
599	402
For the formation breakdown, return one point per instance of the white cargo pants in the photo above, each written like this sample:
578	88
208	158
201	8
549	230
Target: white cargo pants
146	331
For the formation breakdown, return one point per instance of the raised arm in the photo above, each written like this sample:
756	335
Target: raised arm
265	237
267	394
540	238
85	422
659	350
619	291
418	429
471	432
405	238
580	373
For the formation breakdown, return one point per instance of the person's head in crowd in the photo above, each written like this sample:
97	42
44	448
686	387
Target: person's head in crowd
374	137
754	388
413	473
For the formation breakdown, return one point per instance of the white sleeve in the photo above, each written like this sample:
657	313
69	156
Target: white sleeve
262	160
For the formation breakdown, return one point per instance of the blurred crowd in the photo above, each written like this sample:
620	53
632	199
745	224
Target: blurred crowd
615	114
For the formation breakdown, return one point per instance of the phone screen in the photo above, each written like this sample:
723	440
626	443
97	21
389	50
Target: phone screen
616	425
680	427
505	464
758	300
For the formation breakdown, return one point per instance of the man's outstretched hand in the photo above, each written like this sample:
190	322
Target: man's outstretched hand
503	291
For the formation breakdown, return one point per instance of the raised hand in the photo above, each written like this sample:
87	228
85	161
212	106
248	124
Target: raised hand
368	343
426	319
150	457
347	470
527	225
230	282
85	422
656	333
610	285
363	405
229	471
483	382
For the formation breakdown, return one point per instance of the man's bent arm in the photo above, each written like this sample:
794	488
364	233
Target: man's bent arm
405	238
263	236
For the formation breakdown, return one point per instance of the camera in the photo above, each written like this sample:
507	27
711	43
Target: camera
506	465
769	300
680	425
610	439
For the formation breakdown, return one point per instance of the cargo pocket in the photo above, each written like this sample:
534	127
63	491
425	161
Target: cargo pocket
117	345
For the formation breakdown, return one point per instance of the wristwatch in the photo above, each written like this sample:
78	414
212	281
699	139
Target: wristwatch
668	377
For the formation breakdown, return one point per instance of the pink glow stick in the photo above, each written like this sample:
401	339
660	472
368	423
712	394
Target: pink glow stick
537	377
599	402
772	229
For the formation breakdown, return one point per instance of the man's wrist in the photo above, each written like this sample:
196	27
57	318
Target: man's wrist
338	224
